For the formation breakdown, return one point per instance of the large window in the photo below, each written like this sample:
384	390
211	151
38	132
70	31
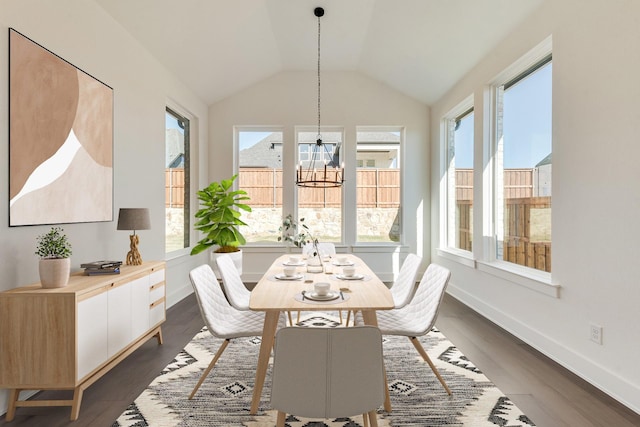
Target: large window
176	181
260	175
523	168
321	208
459	194
378	185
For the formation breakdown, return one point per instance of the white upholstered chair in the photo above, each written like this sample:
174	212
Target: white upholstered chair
326	249
221	319
235	290
418	317
328	373
404	286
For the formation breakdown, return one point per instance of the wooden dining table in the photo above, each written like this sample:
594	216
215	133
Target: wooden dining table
275	295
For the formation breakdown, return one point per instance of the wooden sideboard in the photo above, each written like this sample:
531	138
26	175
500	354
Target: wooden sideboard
67	338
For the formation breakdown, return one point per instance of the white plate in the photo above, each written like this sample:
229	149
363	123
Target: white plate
294	264
354	277
328	297
338	263
281	276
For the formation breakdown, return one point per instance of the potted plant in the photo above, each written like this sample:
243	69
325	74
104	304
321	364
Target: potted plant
54	251
219	220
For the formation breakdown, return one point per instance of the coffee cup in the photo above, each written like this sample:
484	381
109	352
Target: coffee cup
289	271
321	288
348	270
342	259
294	259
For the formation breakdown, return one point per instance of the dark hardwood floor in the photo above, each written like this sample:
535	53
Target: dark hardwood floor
550	395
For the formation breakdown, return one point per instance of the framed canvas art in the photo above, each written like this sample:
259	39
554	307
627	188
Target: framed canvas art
60	139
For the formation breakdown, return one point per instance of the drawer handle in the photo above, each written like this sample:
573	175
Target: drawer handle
153	304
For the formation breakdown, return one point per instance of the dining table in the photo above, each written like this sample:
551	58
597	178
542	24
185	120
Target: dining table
276	294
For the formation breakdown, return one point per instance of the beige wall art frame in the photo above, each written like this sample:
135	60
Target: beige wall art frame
60	139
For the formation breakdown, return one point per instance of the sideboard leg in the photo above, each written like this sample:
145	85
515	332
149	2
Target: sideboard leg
14	393
77	399
159	336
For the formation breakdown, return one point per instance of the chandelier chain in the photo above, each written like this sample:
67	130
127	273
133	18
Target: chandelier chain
319	136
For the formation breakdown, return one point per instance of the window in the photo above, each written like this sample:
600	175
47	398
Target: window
260	175
523	168
378	185
177	211
459	178
321	208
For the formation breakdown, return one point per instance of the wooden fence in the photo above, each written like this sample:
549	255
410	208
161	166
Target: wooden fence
174	188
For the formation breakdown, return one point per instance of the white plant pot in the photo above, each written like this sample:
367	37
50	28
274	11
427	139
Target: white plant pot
235	256
54	272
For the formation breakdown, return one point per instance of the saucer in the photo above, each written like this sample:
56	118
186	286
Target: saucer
330	296
294	264
354	277
338	263
282	276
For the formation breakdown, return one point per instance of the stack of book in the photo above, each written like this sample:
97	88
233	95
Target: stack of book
96	268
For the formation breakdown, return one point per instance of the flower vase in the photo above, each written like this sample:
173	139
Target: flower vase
314	263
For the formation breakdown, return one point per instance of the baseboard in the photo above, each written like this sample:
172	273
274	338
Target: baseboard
179	294
597	375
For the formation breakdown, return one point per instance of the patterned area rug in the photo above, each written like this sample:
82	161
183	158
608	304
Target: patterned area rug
417	397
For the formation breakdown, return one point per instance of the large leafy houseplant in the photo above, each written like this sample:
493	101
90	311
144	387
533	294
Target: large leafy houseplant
219	217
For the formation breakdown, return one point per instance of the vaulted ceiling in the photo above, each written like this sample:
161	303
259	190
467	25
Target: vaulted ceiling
419	47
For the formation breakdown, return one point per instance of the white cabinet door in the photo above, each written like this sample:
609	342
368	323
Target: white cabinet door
119	315
92	333
139	307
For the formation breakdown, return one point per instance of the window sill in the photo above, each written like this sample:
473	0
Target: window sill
535	280
457	255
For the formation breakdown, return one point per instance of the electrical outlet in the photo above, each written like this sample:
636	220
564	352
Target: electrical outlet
595	333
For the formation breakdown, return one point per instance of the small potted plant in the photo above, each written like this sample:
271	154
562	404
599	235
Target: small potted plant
219	220
54	251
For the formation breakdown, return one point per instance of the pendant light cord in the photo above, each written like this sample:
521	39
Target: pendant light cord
319	136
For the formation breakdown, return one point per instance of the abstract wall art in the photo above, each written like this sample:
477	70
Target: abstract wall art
60	139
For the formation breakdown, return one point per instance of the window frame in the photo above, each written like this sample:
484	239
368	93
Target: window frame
180	113
522	275
447	199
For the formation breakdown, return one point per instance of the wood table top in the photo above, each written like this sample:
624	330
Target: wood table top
370	293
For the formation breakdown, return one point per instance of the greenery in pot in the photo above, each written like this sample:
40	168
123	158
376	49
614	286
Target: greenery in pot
219	217
53	245
298	233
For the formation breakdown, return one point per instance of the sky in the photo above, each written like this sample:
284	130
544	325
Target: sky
527	124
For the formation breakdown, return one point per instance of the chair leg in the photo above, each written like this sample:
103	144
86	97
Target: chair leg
373	418
365	419
426	358
210	367
281	418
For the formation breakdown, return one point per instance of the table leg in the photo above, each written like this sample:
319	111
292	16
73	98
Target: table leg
370	318
268	335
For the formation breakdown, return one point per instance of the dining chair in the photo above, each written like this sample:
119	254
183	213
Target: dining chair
325	248
418	317
235	290
328	373
222	320
404	287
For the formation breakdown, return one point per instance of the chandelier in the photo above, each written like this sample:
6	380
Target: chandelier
323	169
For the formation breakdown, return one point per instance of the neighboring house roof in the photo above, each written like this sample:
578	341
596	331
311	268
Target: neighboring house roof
266	153
545	161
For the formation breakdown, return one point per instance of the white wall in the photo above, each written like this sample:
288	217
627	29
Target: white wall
349	99
83	34
596	123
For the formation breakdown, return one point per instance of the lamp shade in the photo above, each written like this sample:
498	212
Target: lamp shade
133	219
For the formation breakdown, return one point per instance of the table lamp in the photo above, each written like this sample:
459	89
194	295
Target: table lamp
134	219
